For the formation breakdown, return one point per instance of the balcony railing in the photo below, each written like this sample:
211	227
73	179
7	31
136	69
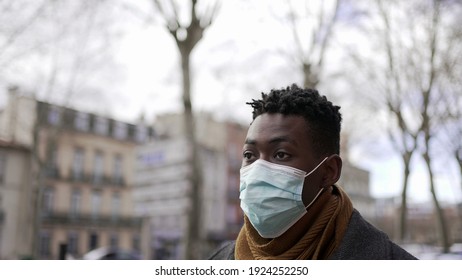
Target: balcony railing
53	172
78	177
97	180
91	220
81	177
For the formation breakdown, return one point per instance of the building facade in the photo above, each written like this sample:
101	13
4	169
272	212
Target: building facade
355	182
236	135
15	211
82	172
162	189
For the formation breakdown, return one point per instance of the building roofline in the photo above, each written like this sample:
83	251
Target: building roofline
12	145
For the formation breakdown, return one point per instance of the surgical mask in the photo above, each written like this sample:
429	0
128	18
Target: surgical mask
271	196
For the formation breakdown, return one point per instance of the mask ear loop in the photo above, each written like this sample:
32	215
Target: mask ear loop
322	188
314	199
316	167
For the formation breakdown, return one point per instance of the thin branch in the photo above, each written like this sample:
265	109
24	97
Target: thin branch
146	18
298	43
171	23
210	14
24	27
327	36
193	12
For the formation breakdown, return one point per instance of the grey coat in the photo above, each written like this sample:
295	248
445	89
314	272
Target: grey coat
362	241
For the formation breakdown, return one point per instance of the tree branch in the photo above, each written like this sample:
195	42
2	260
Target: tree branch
22	28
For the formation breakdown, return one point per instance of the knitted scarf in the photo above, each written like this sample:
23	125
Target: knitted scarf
315	236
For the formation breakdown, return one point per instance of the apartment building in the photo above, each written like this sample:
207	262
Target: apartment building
84	179
162	189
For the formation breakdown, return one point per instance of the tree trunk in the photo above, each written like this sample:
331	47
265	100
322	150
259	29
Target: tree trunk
403	214
194	33
194	241
459	161
443	231
310	77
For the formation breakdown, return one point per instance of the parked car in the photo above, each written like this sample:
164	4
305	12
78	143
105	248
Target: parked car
108	253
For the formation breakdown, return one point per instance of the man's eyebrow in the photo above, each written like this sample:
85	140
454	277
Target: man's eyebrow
250	141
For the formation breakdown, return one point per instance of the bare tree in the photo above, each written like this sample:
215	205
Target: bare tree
406	73
11	33
452	129
310	50
396	100
452	84
50	47
187	36
450	111
428	91
384	73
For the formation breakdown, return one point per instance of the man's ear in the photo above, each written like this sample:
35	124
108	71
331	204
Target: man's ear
333	170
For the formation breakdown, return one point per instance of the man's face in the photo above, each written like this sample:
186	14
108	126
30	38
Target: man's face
284	140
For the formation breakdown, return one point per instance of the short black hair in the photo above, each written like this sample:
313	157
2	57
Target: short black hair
322	117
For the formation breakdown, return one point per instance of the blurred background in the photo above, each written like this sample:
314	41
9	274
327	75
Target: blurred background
122	122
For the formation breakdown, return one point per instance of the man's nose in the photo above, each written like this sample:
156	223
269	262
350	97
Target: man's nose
265	157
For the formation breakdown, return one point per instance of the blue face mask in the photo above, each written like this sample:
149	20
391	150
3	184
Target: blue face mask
271	196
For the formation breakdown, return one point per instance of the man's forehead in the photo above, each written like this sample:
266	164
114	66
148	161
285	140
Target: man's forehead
277	121
276	127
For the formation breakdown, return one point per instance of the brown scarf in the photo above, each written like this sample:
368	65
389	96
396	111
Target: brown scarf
315	236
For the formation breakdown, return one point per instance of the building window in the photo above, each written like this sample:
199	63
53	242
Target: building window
98	168
47	202
76	198
73	243
120	130
101	126
118	170
141	134
2	167
52	166
45	244
54	115
77	166
115	206
53	160
114	240
82	121
95	204
93	241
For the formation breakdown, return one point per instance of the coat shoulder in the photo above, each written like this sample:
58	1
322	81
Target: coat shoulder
225	251
363	241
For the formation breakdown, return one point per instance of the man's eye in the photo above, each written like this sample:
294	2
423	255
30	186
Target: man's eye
248	155
281	155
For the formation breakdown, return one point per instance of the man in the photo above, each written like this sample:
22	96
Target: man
292	205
